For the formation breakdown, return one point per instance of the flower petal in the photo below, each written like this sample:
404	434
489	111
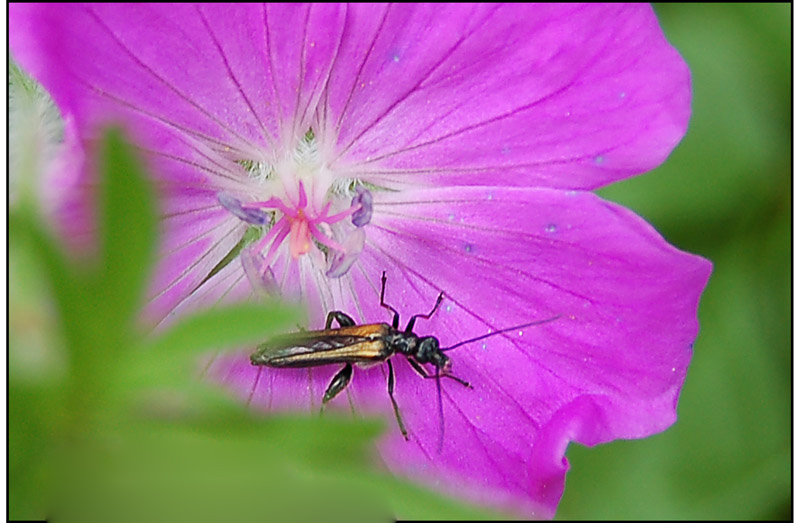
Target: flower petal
233	74
610	366
566	96
198	88
548	96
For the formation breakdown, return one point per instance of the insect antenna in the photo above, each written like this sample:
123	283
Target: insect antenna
502	331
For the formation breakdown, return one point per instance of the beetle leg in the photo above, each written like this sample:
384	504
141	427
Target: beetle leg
394	403
456	378
421	371
410	326
417	367
396	318
338	383
343	319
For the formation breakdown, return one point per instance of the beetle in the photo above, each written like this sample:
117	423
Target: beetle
366	345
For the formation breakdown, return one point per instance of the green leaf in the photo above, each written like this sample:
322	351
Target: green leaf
127	231
27	232
735	159
225	326
249	472
172	354
250	236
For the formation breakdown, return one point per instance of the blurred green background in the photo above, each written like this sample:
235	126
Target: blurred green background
725	194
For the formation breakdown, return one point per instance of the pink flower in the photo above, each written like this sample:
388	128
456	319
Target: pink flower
452	146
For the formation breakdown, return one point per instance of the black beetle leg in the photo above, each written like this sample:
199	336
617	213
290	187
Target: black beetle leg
343	319
394	403
337	385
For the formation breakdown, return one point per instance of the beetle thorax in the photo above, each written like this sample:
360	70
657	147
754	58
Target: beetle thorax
403	343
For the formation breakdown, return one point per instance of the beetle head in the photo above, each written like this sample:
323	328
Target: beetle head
429	352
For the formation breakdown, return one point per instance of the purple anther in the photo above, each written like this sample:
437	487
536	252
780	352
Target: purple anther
363	198
246	214
343	260
262	282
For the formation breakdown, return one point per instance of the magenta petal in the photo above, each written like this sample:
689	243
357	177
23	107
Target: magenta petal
569	96
198	88
66	194
232	74
229	285
543	97
610	367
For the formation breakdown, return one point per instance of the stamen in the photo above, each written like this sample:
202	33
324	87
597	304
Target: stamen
283	230
259	278
273	233
324	240
364	214
340	216
324	211
246	214
306	227
303	198
275	203
343	259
